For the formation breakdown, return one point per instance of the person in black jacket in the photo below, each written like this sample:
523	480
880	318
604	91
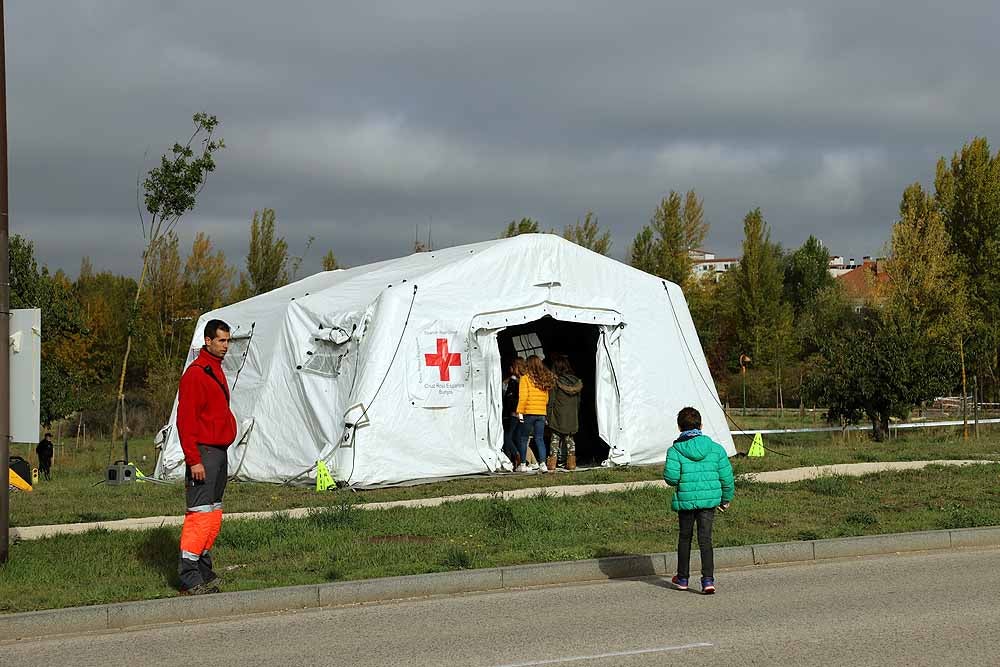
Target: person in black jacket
510	422
45	449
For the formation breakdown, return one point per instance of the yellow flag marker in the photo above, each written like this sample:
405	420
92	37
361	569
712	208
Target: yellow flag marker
16	481
757	447
138	473
323	479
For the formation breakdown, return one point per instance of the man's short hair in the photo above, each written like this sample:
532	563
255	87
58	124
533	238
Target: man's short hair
688	419
213	326
48	435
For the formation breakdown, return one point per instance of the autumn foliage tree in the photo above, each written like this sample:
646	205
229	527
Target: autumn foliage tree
589	235
522	226
663	247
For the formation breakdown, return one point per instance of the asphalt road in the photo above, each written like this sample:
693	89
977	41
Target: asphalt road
916	609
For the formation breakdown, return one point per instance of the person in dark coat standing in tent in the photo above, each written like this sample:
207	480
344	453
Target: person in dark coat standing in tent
511	432
206	427
564	415
45	450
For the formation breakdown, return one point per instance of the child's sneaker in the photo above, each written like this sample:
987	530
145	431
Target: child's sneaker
680	583
707	585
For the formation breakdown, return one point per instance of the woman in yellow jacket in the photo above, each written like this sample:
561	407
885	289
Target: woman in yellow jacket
532	404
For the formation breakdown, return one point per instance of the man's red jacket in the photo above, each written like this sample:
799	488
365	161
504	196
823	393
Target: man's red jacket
203	414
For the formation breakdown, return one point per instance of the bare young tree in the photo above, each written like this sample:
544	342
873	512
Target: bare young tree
168	192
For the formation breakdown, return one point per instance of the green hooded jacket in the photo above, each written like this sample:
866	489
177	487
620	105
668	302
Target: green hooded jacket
699	468
564	405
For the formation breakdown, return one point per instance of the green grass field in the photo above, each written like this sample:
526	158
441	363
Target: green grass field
342	542
72	496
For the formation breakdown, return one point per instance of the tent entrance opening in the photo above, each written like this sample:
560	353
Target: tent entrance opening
578	342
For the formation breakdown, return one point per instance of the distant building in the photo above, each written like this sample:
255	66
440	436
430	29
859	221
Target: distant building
861	282
705	265
839	265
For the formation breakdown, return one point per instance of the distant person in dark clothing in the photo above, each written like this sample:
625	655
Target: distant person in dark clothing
45	450
510	422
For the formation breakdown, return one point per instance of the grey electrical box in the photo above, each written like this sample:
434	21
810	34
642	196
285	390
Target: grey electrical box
25	350
118	473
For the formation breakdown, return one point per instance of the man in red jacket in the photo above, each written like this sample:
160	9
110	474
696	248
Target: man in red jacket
206	427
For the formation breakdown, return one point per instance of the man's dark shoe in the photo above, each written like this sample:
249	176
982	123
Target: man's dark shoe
201	589
213	580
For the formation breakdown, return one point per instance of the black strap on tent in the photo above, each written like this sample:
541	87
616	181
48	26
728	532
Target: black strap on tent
246	352
611	363
711	388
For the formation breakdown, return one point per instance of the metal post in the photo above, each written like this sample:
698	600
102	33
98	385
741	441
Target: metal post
975	403
744	374
4	309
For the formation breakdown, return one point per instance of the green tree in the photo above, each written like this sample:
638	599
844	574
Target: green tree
967	196
330	262
267	260
693	219
664	246
903	350
65	369
925	284
588	234
169	191
67	375
522	226
24	276
642	254
764	322
759	282
711	305
806	274
829	310
879	368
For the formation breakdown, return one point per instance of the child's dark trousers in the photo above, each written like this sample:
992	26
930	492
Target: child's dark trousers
687	520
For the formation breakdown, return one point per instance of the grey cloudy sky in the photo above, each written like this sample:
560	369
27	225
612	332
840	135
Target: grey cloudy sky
357	121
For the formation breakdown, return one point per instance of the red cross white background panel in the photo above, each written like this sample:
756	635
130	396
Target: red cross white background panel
442	369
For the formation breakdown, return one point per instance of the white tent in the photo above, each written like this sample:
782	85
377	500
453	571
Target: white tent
392	371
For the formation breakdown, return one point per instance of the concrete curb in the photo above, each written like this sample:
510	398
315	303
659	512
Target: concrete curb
171	610
771	477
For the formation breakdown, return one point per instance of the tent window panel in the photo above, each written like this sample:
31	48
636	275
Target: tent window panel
527	345
325	359
234	357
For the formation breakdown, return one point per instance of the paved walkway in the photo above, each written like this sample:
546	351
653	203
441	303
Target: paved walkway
773	477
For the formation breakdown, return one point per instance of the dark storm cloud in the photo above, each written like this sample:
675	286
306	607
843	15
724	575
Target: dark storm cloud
359	121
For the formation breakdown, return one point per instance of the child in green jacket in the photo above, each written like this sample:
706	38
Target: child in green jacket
700	470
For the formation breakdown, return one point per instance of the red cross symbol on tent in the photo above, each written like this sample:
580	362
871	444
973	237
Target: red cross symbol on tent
443	359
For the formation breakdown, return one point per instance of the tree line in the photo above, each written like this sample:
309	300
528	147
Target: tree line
923	332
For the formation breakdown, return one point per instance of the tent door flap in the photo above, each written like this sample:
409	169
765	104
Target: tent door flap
608	392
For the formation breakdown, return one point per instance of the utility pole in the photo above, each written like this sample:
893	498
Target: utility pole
4	308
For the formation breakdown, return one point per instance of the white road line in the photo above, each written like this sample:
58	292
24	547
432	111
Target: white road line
616	654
